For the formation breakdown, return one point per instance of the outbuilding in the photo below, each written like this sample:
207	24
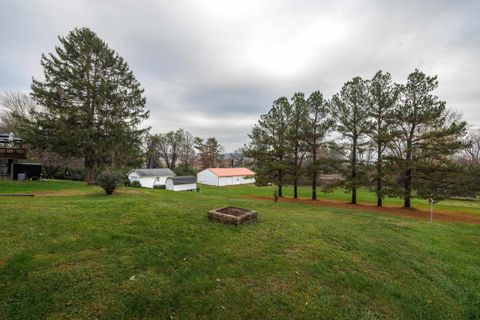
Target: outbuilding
226	176
181	183
150	178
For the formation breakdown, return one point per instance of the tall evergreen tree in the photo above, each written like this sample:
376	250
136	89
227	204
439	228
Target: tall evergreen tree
210	151
318	123
426	140
295	139
384	95
350	107
268	145
90	102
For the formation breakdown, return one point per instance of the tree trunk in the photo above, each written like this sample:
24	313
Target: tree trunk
408	174
354	171
379	175
280	182
408	188
295	188
314	175
89	171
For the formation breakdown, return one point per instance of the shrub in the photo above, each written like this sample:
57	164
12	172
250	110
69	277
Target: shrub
109	181
135	184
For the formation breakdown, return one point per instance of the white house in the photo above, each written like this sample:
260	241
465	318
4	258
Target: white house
149	178
181	183
226	176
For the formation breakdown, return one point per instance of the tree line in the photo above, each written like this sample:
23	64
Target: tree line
176	150
400	138
89	107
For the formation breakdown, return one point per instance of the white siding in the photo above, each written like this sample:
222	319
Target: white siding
147	182
207	177
184	187
235	180
160	181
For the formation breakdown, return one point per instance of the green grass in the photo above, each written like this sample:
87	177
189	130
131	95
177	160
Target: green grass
154	255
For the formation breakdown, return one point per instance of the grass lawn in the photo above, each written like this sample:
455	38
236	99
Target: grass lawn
72	252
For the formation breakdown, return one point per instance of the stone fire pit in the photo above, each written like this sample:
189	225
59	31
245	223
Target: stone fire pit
232	215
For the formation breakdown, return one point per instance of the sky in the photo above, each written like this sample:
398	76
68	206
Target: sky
213	67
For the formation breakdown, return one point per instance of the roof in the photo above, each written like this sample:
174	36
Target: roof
8	137
183	180
231	172
164	172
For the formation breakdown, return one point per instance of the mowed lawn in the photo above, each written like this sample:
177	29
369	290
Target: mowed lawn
71	252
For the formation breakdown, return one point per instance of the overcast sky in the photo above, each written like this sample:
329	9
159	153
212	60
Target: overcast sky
212	67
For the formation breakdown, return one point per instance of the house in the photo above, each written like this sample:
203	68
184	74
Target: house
12	152
181	183
150	178
226	176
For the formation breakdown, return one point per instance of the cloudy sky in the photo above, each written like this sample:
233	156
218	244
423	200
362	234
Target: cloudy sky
212	67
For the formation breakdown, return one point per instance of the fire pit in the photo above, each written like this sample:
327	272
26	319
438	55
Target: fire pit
232	215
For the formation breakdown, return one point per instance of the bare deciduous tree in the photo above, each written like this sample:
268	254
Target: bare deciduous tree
14	106
472	151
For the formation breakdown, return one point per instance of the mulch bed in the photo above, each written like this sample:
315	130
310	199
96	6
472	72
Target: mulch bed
413	213
232	215
233	211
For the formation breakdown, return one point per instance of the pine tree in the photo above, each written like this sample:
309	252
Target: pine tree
268	145
90	102
426	141
350	107
318	123
295	139
210	151
383	98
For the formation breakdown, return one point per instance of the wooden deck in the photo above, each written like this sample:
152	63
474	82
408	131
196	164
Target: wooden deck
13	153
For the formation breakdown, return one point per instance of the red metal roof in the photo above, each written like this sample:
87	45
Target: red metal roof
231	172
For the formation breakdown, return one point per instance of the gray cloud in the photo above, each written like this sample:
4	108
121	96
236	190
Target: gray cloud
213	67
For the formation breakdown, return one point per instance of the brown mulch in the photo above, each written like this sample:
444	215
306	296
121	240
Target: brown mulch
412	213
233	211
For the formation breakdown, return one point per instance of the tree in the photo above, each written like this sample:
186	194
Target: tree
210	151
90	103
238	157
169	145
318	123
383	98
428	137
151	147
187	150
471	152
15	107
350	107
295	139
268	145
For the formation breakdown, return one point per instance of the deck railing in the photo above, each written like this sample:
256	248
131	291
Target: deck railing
13	153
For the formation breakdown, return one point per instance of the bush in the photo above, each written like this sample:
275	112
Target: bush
135	184
109	181
76	174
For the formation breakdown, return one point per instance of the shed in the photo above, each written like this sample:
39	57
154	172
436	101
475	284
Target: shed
181	183
26	171
150	178
226	176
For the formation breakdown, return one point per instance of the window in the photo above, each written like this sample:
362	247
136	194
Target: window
158	178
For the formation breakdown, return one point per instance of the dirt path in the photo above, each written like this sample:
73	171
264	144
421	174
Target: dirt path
74	192
413	213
